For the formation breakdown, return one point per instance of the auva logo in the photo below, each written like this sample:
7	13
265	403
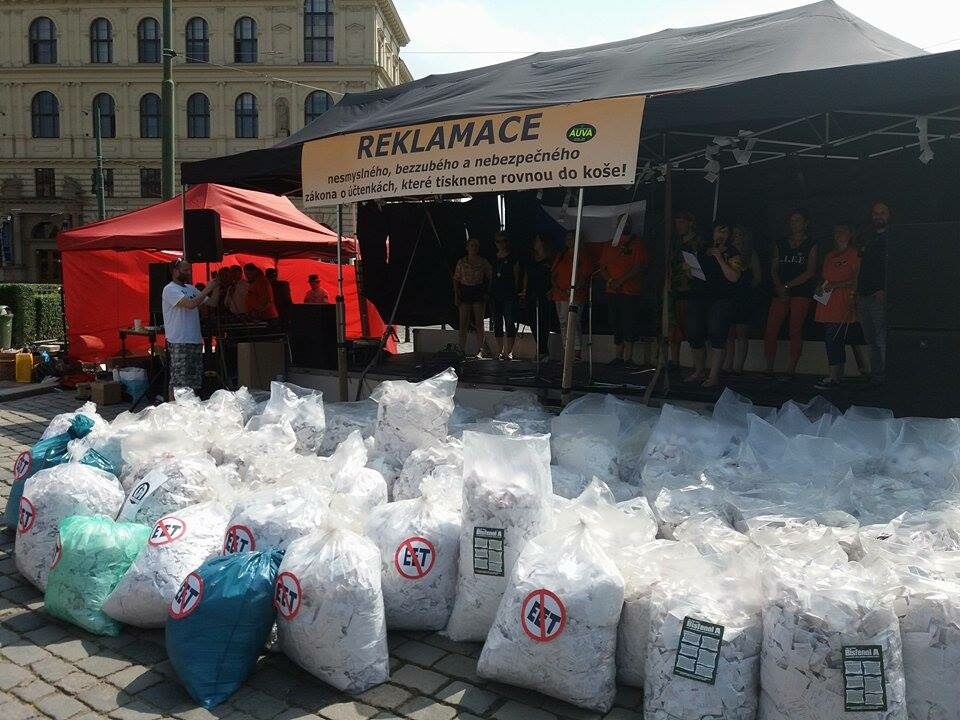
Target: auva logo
581	133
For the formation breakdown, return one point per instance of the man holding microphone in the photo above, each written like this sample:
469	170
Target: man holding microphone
181	322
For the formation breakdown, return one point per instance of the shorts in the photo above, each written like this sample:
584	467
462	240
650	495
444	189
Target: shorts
186	365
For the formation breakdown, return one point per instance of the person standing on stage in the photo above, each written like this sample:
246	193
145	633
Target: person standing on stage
685	238
793	268
260	302
536	296
504	288
622	266
839	277
872	287
560	273
236	299
471	283
744	303
181	324
710	304
316	295
282	296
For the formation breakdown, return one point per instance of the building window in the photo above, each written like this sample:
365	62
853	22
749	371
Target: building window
149	182
246	116
107	182
43	42
318	30
103	103
150	116
101	41
316	104
46	182
245	40
148	41
45	115
198	40
48	266
198	116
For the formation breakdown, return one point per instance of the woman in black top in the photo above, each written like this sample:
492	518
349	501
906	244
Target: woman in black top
710	304
503	296
536	297
745	303
793	269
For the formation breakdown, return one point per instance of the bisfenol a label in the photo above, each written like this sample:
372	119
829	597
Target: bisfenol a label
698	652
864	687
488	551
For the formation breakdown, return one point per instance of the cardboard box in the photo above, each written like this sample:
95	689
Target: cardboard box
106	392
260	362
119	361
83	391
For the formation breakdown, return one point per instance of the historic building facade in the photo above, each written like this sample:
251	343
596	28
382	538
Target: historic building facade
247	74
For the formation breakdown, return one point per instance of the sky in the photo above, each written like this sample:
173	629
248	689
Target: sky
451	35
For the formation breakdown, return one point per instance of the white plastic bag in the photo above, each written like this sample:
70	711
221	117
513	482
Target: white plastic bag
330	609
412	415
524	409
703	652
811	613
51	495
586	443
274	518
556	628
178	545
419	541
174	483
345	417
302	408
506	495
424	462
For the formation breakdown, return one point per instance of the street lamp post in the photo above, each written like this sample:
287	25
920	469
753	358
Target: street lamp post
167	100
98	144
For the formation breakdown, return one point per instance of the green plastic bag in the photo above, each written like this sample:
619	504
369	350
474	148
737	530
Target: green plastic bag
93	554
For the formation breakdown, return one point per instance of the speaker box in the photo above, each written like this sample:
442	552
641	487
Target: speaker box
312	330
923	268
921	373
201	236
159	277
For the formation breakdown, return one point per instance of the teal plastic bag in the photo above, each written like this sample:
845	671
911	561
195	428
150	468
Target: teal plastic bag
45	454
93	554
219	621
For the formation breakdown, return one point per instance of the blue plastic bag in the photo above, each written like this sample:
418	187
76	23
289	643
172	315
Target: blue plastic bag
219	621
45	454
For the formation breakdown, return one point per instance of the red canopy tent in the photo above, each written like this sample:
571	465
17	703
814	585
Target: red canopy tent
106	263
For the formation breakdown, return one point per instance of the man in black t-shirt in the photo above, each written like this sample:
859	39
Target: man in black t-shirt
871	289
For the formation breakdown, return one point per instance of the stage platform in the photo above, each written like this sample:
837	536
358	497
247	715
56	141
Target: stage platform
482	374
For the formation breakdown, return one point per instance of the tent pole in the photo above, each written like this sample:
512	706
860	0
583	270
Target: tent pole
664	340
569	340
341	314
716	197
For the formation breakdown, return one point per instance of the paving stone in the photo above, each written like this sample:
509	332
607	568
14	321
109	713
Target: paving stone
459	666
418	652
273	680
311	694
195	713
73	649
347	711
258	704
471	649
8	637
386	696
422	708
101	665
292	714
12	675
570	712
424	681
134	679
31	692
467	697
521	695
16	710
75	682
52	669
623	714
60	706
47	634
135	710
164	696
24	654
143	653
103	697
513	710
23	595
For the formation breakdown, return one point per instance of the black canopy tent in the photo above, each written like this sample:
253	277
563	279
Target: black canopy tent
813	85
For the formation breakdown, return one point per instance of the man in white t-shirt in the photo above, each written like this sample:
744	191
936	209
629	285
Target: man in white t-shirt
181	323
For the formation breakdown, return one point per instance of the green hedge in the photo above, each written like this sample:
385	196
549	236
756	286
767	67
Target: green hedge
36	311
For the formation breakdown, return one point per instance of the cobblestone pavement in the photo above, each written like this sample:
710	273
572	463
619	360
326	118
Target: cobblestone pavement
52	669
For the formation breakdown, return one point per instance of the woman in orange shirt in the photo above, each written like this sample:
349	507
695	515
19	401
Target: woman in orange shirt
839	276
560	273
622	267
